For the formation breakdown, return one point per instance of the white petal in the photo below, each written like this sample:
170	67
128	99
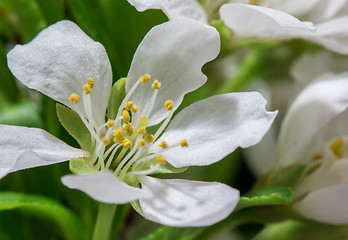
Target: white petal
333	35
173	53
215	127
104	187
185	203
255	21
173	9
22	147
315	106
294	7
328	205
59	61
325	10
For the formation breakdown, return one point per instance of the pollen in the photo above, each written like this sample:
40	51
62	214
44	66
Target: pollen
129	105
156	85
126	143
160	159
168	105
149	138
106	140
118	135
145	78
87	88
90	81
74	98
143	121
336	146
110	123
163	144
126	116
141	131
128	128
141	143
184	143
135	108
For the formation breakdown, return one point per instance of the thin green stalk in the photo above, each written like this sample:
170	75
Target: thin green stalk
102	228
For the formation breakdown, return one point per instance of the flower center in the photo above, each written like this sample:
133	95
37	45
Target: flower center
122	144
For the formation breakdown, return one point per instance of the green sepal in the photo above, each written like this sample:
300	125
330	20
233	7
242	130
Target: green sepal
79	166
267	196
136	206
166	168
118	92
72	122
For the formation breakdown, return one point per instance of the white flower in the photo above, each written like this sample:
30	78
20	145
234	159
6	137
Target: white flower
65	64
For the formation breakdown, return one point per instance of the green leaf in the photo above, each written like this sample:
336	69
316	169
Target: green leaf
44	207
52	10
24	114
169	233
74	125
118	92
268	196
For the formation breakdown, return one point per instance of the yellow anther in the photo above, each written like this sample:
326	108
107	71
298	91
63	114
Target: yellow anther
126	143
156	85
184	143
118	135
128	128
144	122
141	143
141	131
145	78
149	138
87	88
160	159
74	98
129	105
135	108
169	105
317	157
110	123
90	81
336	146
106	140
253	2
163	144
126	116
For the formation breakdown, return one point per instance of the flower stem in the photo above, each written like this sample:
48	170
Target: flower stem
104	221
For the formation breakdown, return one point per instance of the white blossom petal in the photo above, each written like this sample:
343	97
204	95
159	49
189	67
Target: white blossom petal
178	202
215	127
59	61
104	187
173	53
173	9
22	147
255	21
314	108
325	10
328	205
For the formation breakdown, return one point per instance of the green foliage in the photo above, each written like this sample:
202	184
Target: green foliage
169	233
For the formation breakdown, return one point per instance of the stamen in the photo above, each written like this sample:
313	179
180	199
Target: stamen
160	159
135	108
144	122
128	128
163	144
126	143
141	131
106	140
145	172
87	88
118	135
129	105
141	143
74	98
169	105
110	123
126	116
156	85
149	138
336	146
184	143
90	82
145	78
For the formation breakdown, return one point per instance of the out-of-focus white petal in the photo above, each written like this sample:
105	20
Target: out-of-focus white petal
104	187
332	34
59	61
173	53
187	203
215	127
173	9
22	147
315	107
293	7
328	205
324	10
255	21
